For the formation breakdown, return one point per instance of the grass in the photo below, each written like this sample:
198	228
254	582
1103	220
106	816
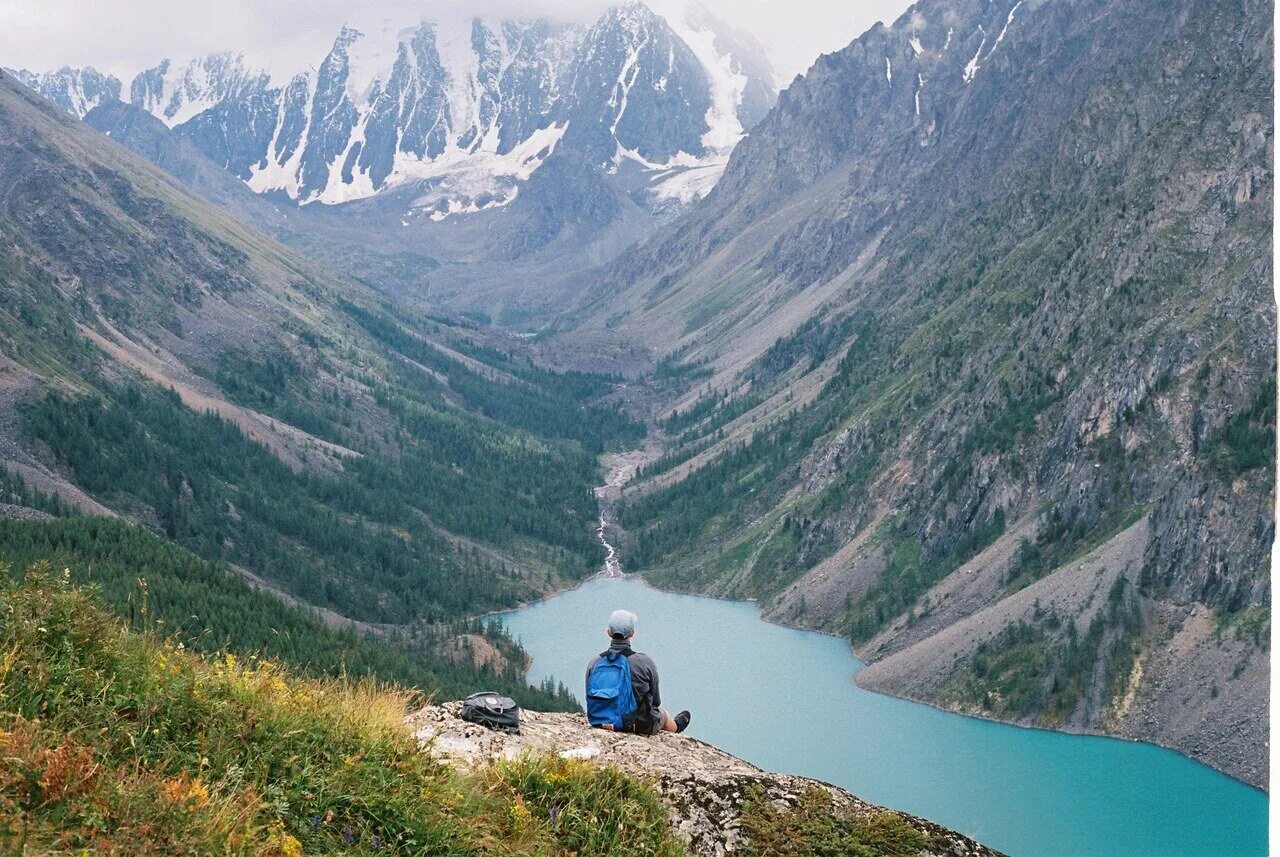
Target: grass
1247	441
816	826
1250	623
116	742
207	607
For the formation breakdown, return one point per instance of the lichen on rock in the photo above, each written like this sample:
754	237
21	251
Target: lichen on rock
705	789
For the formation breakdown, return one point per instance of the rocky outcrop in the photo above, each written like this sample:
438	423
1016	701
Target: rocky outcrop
704	788
1042	244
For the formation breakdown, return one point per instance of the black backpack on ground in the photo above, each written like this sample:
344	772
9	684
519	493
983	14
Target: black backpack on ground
493	711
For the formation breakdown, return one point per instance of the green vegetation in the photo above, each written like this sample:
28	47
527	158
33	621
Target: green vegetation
256	380
1247	441
15	492
1061	539
817	827
158	586
360	541
1249	623
747	478
676	456
1042	670
909	575
672	370
548	404
679	421
114	741
585	809
273	381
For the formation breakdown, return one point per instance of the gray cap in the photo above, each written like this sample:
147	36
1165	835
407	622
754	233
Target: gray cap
622	623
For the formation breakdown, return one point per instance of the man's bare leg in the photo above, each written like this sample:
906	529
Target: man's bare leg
674	724
668	722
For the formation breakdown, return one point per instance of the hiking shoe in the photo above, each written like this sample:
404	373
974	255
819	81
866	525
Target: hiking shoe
682	720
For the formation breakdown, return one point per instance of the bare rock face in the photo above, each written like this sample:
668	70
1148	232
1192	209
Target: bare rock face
1038	236
704	788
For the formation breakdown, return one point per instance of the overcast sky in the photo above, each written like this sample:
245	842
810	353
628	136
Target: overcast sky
124	36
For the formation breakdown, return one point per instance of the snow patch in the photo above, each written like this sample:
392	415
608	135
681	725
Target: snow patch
686	185
187	90
284	175
460	61
914	41
971	68
622	89
460	181
370	59
724	128
1005	29
888	70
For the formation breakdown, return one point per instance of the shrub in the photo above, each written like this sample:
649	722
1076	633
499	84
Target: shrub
113	741
815	826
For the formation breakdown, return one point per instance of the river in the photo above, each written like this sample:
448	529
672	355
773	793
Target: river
785	700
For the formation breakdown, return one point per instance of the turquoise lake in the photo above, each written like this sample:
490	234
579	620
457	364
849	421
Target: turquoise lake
785	700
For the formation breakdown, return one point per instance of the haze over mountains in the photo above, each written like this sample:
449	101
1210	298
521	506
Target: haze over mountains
626	120
968	356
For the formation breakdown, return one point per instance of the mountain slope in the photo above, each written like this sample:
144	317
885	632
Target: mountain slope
476	163
140	131
116	741
985	315
166	364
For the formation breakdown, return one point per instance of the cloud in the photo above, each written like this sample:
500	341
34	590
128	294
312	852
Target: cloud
283	36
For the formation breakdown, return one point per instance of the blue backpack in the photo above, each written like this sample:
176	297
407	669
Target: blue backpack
610	699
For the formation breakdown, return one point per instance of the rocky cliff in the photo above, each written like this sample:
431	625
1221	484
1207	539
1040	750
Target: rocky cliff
706	790
466	108
981	338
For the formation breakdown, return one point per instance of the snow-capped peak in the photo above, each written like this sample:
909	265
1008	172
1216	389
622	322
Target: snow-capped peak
447	102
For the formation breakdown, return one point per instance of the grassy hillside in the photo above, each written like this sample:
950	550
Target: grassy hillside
115	742
156	586
161	361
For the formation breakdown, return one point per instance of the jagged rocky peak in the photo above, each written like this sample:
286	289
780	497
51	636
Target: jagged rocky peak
467	108
639	90
909	77
175	93
76	90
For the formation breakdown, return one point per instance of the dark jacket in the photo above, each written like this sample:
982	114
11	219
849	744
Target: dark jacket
644	683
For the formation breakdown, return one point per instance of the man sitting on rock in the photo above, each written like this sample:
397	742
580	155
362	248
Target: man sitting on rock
622	686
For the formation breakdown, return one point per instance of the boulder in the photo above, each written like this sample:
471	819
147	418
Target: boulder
704	788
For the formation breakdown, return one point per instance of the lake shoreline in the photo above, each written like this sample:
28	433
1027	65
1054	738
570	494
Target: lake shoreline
1024	790
640	578
622	466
